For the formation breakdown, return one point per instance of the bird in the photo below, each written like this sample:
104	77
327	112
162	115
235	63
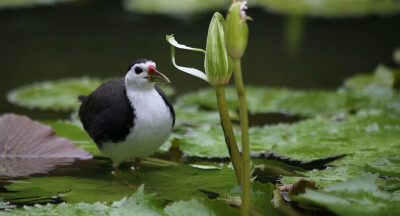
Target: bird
129	117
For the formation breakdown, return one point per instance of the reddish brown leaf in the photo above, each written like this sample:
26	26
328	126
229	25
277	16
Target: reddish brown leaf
28	147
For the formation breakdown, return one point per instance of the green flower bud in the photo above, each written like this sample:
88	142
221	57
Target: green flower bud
217	62
236	30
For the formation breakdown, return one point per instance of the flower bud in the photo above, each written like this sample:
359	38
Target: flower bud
236	30
217	63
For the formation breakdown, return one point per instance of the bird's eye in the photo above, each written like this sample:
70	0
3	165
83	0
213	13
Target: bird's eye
138	70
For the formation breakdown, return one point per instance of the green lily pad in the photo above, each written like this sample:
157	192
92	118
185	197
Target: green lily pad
60	94
90	185
194	115
54	95
358	196
265	99
173	7
200	207
386	166
331	8
80	209
382	76
28	3
140	203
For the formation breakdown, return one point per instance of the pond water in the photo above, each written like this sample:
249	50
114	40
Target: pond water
100	38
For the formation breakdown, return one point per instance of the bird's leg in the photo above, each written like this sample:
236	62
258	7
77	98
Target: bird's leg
116	171
136	165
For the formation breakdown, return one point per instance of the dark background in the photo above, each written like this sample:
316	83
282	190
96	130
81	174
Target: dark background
100	39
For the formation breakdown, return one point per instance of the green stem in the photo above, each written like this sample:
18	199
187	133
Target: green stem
230	139
244	124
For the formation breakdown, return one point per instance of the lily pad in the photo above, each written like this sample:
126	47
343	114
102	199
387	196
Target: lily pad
309	103
331	8
386	166
264	99
358	196
28	147
140	203
200	207
175	183
173	7
54	95
28	3
58	95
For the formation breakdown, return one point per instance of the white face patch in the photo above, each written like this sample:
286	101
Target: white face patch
136	78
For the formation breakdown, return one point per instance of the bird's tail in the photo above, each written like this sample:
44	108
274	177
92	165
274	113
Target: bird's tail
81	98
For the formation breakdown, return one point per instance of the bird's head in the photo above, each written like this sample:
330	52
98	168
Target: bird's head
142	74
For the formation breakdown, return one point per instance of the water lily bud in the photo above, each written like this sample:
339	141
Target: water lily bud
217	62
236	30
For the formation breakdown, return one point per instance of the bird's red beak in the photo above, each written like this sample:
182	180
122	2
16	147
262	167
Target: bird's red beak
155	76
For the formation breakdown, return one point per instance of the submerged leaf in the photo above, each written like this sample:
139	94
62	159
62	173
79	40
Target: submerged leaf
28	147
358	196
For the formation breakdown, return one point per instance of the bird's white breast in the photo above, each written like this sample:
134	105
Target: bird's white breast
152	126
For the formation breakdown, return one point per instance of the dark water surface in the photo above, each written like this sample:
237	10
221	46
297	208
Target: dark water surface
100	39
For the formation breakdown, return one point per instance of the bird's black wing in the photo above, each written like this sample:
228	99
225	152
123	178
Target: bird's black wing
107	114
168	103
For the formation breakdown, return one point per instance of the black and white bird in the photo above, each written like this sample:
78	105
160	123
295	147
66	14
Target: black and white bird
129	118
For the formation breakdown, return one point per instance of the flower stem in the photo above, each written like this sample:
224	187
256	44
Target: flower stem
244	124
230	139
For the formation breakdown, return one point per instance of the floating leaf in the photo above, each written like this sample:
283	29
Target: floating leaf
264	99
193	115
173	7
28	3
54	95
91	184
331	8
28	147
200	207
80	209
386	166
138	204
358	196
59	95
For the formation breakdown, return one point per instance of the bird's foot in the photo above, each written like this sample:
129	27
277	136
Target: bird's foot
136	166
116	172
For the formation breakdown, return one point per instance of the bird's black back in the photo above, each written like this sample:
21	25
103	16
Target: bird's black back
107	114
